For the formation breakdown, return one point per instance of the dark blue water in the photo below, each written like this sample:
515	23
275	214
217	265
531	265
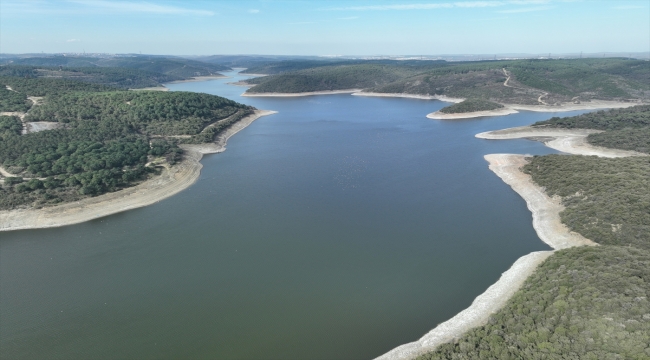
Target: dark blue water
339	228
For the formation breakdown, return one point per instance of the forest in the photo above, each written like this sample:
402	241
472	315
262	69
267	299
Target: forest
109	140
564	80
470	105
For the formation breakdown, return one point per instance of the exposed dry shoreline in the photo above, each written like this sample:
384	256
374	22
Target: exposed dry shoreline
548	225
571	141
311	93
410	96
172	181
442	116
515	108
199	78
494	298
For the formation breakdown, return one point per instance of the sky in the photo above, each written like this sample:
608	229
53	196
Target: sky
271	27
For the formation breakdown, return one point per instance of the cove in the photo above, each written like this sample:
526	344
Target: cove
339	228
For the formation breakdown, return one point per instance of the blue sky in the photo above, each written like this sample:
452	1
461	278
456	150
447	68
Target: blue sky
325	27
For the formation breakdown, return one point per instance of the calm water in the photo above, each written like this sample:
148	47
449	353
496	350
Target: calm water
337	229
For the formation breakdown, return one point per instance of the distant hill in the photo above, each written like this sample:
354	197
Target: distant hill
122	78
173	66
529	81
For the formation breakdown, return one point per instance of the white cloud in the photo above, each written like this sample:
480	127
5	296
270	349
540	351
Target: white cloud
254	11
139	7
629	7
524	10
72	40
438	5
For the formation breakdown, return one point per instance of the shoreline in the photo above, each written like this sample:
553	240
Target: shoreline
410	96
198	78
475	114
172	181
570	141
477	314
549	228
515	108
310	93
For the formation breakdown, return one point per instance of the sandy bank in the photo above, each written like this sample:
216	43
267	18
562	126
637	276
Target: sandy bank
475	114
545	210
570	141
410	96
312	93
493	299
172	181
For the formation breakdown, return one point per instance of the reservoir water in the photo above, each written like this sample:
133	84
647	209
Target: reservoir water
339	228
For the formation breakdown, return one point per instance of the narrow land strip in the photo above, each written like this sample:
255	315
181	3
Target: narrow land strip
311	93
172	181
570	141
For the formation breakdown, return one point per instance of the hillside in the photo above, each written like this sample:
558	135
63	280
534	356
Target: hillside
123	78
529	82
101	141
332	77
173	66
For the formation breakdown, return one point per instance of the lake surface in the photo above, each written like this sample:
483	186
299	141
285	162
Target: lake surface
339	228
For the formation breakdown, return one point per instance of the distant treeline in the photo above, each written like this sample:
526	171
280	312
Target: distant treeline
172	66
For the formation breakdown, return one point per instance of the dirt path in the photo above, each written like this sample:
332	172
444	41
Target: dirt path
539	99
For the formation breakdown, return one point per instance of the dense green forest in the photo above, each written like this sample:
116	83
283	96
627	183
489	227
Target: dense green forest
13	101
626	129
106	142
173	66
607	200
563	80
581	303
471	105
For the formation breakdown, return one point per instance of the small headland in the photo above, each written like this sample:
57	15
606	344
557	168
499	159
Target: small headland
172	180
